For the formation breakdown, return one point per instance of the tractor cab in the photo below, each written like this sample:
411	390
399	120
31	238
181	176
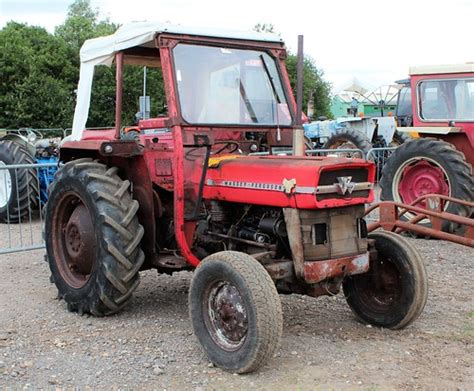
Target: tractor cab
439	101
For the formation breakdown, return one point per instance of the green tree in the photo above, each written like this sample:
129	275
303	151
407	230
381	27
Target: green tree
315	87
34	90
83	23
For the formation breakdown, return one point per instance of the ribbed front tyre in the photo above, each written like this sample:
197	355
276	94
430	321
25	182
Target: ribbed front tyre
235	311
393	293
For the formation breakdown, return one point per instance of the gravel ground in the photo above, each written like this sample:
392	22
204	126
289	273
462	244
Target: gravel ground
150	344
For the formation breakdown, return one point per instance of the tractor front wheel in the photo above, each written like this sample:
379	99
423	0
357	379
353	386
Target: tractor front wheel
235	311
393	293
93	238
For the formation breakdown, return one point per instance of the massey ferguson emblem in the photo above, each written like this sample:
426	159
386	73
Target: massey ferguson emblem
345	185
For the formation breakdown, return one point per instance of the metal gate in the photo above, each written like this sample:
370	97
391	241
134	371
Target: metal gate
23	192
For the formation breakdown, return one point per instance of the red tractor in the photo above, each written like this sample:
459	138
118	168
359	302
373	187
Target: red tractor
184	192
437	105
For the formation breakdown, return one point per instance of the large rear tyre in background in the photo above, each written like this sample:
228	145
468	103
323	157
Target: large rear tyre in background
19	189
348	138
393	293
93	238
423	166
235	311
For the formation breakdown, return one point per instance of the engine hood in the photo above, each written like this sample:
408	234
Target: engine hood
290	181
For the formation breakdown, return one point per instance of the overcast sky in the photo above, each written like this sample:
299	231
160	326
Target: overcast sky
373	40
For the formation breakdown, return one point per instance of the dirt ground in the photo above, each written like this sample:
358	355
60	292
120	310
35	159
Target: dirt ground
150	344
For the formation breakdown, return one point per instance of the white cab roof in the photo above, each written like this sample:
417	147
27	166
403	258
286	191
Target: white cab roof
440	69
101	51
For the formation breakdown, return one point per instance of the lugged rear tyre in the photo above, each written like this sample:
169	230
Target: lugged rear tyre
444	169
19	188
93	238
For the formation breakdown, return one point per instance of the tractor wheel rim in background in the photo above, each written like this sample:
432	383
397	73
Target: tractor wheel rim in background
226	316
346	144
5	185
74	242
419	176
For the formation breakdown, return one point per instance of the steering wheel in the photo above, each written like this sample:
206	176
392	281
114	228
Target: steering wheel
227	144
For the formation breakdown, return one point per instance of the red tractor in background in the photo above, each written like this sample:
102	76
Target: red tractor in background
436	105
184	192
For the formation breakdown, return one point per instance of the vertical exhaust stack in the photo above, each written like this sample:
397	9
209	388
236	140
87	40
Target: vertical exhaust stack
298	132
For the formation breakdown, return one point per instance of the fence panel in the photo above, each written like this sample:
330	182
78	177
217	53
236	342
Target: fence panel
23	193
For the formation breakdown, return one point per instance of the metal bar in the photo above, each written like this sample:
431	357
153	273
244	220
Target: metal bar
299	82
342	150
39	200
21	249
18	204
118	93
406	226
8	213
428	212
29	209
34	165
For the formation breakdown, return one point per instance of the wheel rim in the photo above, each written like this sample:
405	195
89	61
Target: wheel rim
5	185
417	177
380	289
346	144
74	242
226	316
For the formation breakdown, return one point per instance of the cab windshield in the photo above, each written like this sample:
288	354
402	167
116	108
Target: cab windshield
229	86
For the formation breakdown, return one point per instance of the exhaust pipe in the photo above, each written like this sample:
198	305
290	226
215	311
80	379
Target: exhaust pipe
298	132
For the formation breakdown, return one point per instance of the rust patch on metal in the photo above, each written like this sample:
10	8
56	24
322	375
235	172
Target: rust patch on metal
295	238
316	271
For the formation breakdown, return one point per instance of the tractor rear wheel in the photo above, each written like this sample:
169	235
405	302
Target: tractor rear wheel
19	188
235	311
424	166
348	138
93	238
393	292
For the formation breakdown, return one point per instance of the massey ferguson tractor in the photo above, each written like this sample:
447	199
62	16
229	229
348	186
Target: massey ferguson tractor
184	192
437	106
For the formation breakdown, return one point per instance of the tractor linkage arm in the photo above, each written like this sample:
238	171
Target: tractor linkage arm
391	211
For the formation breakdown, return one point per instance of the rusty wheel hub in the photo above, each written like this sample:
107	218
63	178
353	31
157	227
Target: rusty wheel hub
227	316
382	286
75	242
79	240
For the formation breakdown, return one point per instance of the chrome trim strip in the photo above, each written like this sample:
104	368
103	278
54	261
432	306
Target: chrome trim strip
327	189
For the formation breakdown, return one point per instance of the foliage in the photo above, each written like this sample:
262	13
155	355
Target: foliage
315	87
36	72
40	71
